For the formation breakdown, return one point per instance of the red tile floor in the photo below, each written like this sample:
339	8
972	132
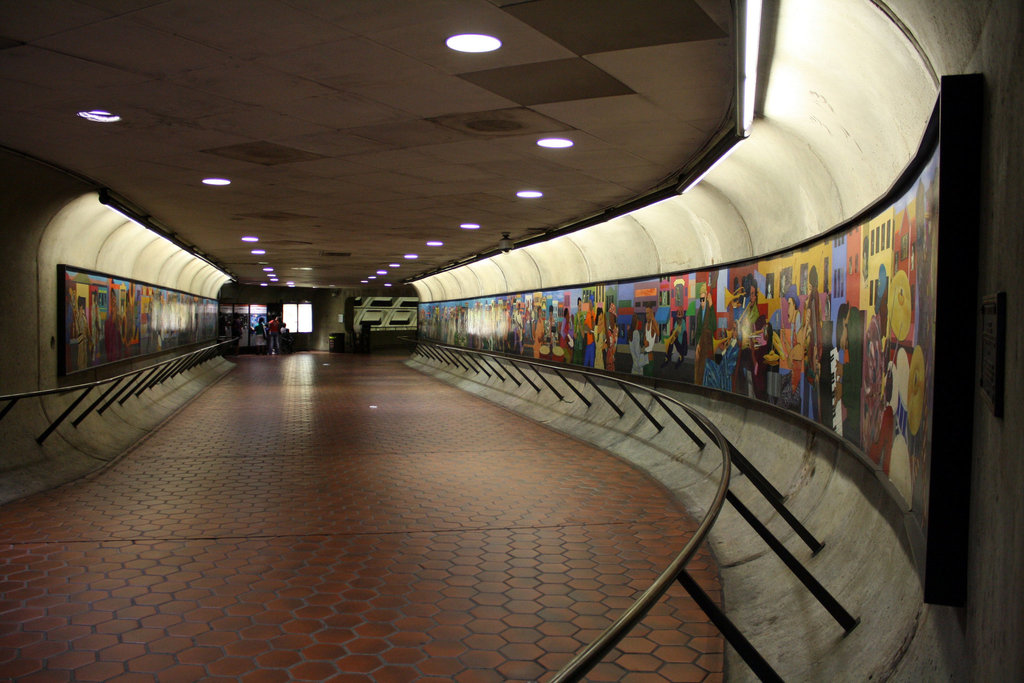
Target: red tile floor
340	517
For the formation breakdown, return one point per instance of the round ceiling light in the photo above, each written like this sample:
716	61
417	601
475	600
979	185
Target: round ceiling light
394	265
555	143
250	238
99	116
435	243
472	42
258	251
470	226
411	256
216	181
529	194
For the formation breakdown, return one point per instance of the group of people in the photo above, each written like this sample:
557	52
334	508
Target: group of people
275	336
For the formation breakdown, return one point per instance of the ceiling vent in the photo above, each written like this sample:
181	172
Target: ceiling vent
498	122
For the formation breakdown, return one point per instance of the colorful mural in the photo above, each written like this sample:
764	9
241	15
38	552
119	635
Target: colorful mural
840	331
107	319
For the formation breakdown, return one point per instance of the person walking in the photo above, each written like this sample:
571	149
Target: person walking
274	328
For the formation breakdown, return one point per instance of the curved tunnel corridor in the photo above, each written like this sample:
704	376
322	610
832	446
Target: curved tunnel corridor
283	527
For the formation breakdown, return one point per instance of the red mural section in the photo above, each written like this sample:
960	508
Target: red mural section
840	331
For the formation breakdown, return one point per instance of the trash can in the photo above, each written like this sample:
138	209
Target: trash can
336	342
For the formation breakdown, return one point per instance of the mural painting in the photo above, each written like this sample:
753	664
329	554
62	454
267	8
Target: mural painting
107	319
840	331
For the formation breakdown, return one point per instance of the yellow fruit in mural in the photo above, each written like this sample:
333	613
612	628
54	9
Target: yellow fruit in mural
915	392
899	305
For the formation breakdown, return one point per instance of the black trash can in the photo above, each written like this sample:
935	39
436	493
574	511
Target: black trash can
336	342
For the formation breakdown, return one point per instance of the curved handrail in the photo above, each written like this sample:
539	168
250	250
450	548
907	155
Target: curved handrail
106	380
593	653
151	376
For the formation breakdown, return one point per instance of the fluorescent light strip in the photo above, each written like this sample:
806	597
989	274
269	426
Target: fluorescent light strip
752	40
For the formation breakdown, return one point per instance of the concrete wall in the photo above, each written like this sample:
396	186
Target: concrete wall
46	218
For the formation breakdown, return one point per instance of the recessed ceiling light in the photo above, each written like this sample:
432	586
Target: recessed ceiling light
258	251
273	279
269	269
529	194
365	282
555	143
473	42
470	226
435	243
216	181
371	277
394	265
263	284
411	256
387	284
382	272
99	116
250	238
290	284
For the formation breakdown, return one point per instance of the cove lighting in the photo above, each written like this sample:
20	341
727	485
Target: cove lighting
710	168
555	143
470	226
99	116
472	42
529	194
216	181
258	251
751	44
435	243
250	238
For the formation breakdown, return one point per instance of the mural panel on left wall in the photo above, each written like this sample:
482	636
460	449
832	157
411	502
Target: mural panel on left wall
105	319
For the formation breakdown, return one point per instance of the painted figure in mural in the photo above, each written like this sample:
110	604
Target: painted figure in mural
613	337
578	334
652	335
850	323
676	343
636	350
589	322
705	324
793	335
563	352
81	332
600	339
718	373
812	348
112	339
540	325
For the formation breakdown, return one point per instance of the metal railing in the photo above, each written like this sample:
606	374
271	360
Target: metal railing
133	383
504	368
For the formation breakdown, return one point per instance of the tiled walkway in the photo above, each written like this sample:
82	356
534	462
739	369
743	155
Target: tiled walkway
339	517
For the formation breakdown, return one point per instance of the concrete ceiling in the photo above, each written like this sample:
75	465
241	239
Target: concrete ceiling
348	127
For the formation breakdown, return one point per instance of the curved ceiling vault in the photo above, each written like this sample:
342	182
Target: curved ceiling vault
846	104
87	234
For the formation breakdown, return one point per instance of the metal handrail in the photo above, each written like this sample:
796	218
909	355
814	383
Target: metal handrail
592	654
183	362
